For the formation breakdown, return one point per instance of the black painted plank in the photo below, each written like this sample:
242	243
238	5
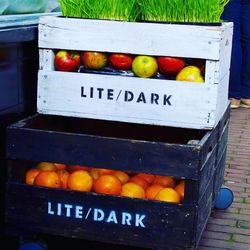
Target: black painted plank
163	225
102	151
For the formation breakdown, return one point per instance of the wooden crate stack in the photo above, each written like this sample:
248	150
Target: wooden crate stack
185	138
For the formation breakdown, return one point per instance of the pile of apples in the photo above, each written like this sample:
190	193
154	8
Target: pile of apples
141	65
106	181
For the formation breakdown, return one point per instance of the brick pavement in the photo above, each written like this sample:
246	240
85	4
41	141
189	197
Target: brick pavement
230	229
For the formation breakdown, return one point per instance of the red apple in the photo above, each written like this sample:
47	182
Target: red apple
170	65
94	60
69	61
121	61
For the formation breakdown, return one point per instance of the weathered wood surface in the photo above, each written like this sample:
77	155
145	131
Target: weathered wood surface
114	36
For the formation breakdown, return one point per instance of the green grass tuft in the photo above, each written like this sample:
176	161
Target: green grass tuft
124	10
204	11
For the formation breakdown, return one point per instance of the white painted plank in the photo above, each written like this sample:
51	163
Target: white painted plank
135	38
211	75
46	59
225	52
189	105
222	97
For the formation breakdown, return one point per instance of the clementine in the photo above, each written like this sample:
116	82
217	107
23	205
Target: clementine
169	195
46	166
140	181
97	172
180	188
72	168
166	181
132	190
63	177
80	180
108	184
59	166
31	175
148	177
152	191
105	171
47	179
122	176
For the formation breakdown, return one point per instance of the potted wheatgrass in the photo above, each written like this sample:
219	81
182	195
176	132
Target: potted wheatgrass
187	11
124	10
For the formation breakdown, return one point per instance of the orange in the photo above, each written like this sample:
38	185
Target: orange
97	172
148	177
31	175
180	188
59	166
63	177
152	191
132	190
72	168
105	171
166	181
94	172
80	180
46	166
108	184
122	176
140	181
47	179
168	195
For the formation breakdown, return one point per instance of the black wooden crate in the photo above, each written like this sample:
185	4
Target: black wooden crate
220	163
129	147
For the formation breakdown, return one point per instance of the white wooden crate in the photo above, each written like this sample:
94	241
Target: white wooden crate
133	99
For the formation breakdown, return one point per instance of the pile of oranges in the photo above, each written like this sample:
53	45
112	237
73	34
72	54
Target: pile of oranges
106	181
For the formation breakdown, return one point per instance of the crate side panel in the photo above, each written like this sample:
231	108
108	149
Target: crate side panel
207	172
222	143
130	155
113	36
207	144
98	217
204	210
225	50
130	99
222	98
46	59
219	173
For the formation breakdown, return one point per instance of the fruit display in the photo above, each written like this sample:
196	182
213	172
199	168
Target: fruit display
106	181
143	66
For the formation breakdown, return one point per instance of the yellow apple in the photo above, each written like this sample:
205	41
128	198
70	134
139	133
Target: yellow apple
190	74
144	66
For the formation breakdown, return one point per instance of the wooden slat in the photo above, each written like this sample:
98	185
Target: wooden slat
170	224
181	104
129	155
114	36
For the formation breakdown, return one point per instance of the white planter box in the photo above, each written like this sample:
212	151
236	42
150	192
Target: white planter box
133	99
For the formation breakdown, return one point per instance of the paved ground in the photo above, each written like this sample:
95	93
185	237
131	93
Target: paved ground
230	229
